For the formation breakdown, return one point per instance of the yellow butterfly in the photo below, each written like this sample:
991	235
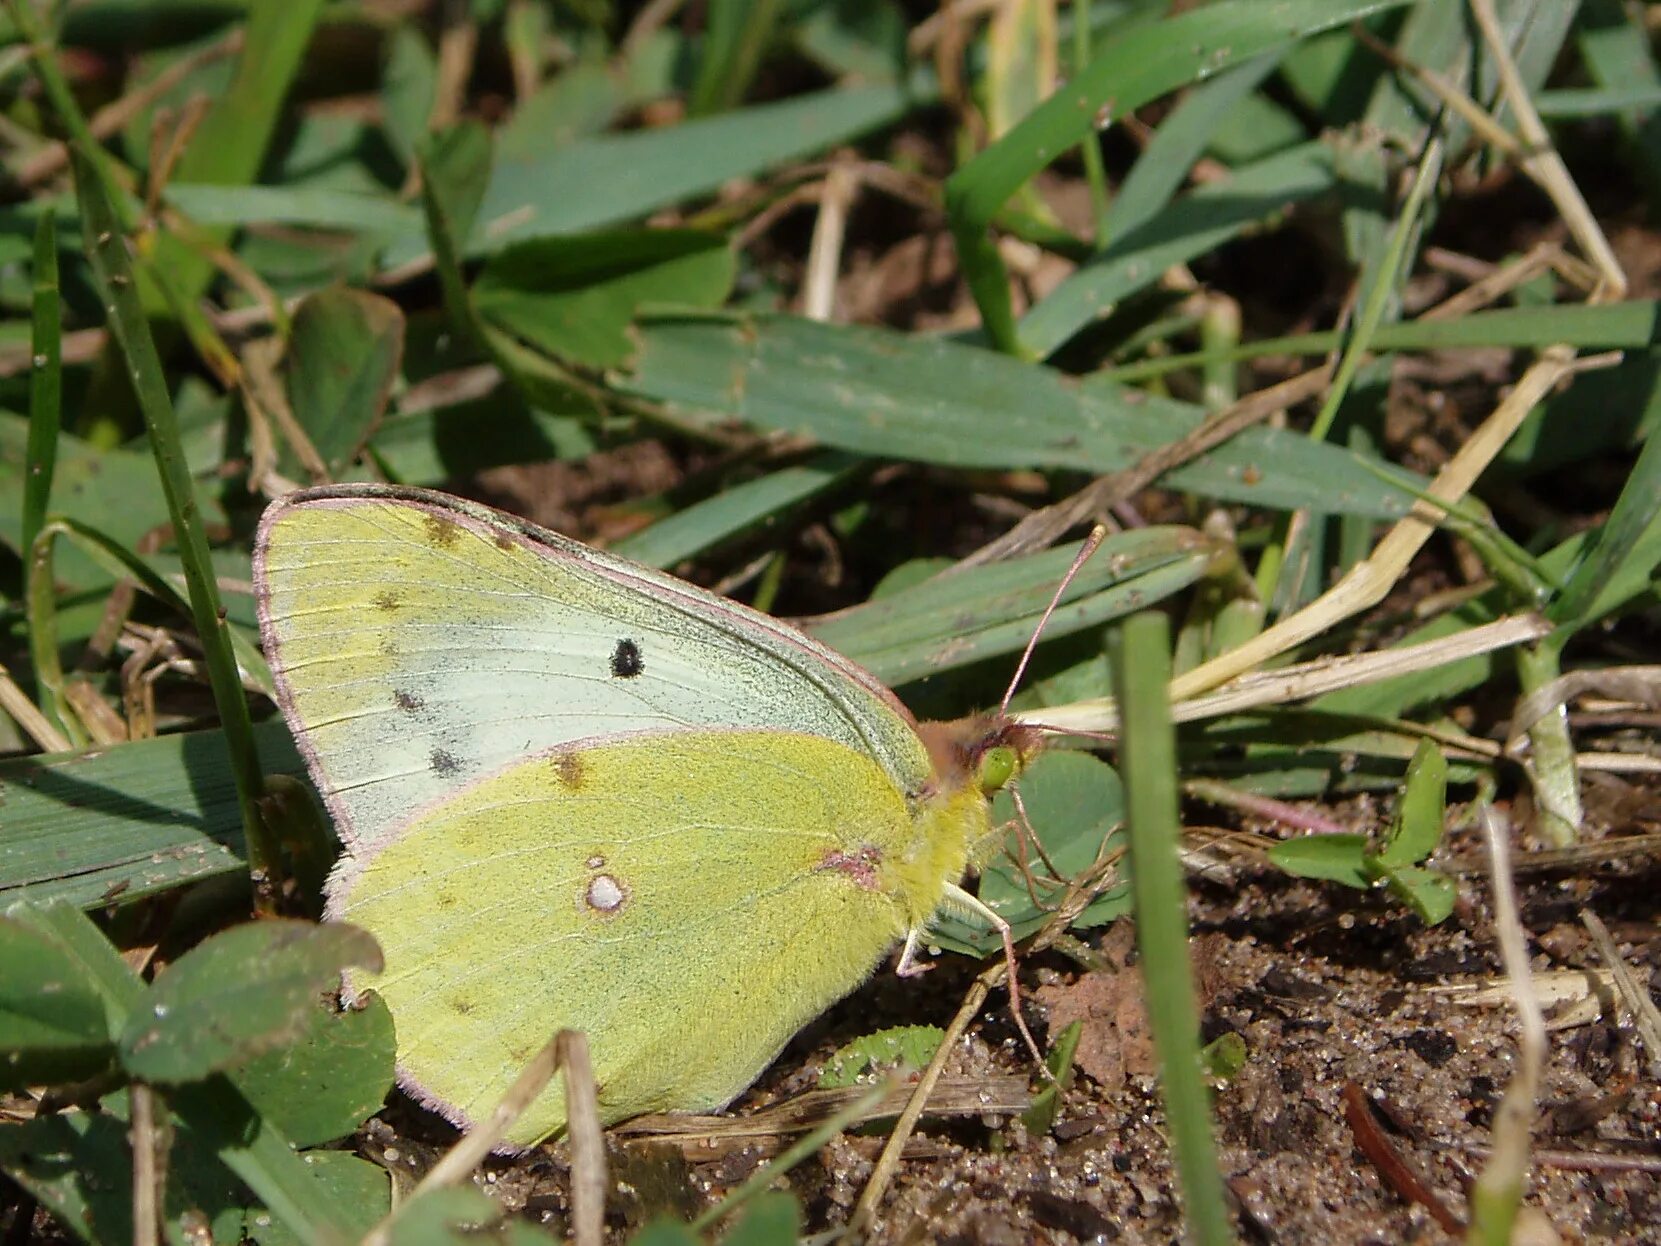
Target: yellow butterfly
576	792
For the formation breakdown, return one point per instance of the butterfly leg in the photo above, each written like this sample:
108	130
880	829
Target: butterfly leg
909	967
968	902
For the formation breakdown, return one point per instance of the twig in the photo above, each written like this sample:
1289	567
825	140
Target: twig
1498	1189
1043	527
1392	1166
1644	1012
1307	679
1542	163
824	254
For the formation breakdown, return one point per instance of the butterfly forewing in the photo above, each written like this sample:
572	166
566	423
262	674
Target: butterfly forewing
421	643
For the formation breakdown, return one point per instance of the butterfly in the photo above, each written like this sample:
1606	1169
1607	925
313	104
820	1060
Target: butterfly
576	792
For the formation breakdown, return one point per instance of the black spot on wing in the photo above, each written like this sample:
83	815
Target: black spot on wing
626	660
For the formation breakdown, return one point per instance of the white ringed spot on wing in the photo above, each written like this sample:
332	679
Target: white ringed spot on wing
604	895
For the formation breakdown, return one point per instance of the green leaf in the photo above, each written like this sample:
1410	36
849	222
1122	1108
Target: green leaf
1627	546
233	139
1224	1057
329	1078
1182	137
1418	824
343	357
1429	893
114	491
575	298
236	995
256	1151
454	167
665	1232
454	1216
456	164
79	1165
53	1026
1046	1104
1340	858
908	1046
73	933
361	1190
349	211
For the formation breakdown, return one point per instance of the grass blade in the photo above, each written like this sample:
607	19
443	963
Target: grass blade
1144	64
106	248
45	381
1141	673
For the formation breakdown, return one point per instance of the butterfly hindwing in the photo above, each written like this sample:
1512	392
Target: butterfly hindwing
422	643
648	891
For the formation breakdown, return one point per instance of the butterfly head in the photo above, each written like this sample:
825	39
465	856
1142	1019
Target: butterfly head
984	751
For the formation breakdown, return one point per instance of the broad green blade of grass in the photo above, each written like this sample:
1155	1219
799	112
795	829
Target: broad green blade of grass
950	621
115	825
934	401
1617	54
1192	226
1603	411
1572	104
230	144
738	509
1127	72
310	206
1633	325
575	298
1180	140
621	177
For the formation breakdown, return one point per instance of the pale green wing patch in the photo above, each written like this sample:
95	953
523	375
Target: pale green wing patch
688	900
420	643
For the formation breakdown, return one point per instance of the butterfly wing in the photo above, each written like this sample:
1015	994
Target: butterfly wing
421	643
688	899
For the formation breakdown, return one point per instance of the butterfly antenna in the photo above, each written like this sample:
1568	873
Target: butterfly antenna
1092	543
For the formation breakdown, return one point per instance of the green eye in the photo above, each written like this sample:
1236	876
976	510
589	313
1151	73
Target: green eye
997	768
